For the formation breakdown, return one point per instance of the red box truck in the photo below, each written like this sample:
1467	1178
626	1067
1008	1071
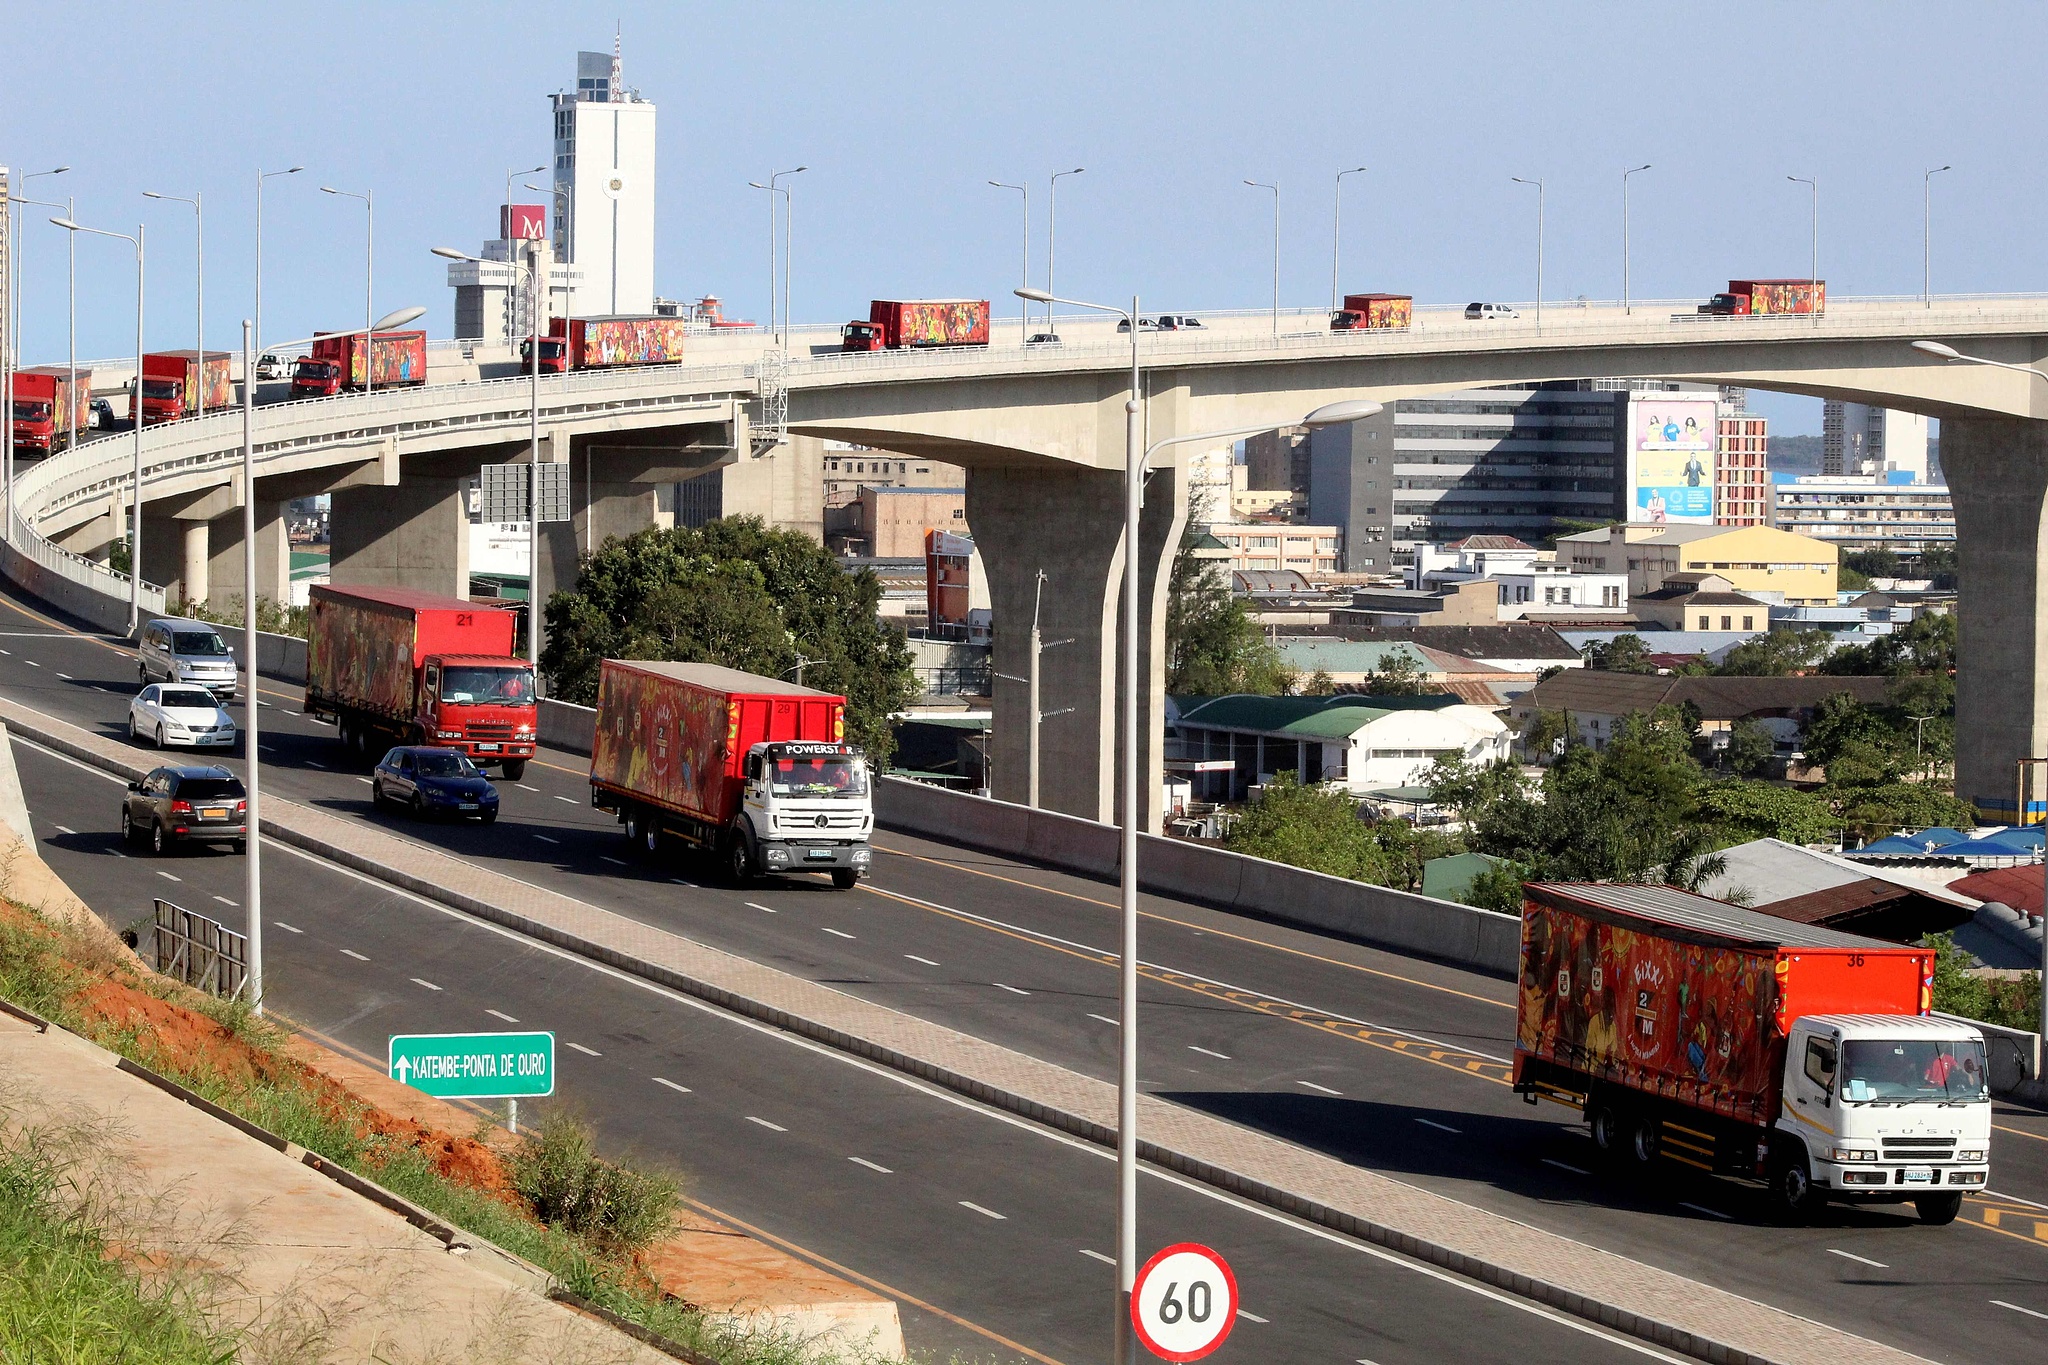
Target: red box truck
1374	313
48	408
1694	1033
607	343
411	667
179	384
335	365
1746	297
755	771
894	325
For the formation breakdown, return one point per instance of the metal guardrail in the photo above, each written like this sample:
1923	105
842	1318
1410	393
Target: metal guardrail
200	952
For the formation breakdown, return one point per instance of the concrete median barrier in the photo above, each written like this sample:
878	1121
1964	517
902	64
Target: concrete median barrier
566	726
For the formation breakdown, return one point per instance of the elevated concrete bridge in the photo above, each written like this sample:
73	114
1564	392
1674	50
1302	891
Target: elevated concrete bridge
1040	432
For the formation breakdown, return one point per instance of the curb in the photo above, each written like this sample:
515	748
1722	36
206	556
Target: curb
1609	1315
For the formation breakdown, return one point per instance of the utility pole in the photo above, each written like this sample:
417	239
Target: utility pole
1039	644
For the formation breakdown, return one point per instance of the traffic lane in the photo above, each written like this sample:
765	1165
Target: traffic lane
1476	1142
982	1215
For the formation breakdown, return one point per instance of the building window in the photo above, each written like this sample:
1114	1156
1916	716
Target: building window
1610	596
1727	623
1703	624
1749	623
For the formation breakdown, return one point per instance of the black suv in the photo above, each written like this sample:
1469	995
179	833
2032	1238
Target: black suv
186	806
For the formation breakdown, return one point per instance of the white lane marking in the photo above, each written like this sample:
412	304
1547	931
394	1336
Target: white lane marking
31	663
586	1051
1251	1317
291	712
1105	1019
756	905
316	763
1440	1127
422	981
1861	1260
2015	1199
523	787
225	901
1011	989
863	1161
161	873
620	862
288	928
683	881
271	705
570	799
8	652
62	674
544	839
64	829
839	932
766	1124
1565	1166
1221	1057
925	960
268	748
350	952
663	1080
1324	1089
2017	1309
986	1213
117	853
1098	1256
500	1014
366	782
1711	1213
820	1050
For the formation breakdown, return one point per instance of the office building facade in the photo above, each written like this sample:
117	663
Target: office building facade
1742	475
1868	513
1856	438
604	190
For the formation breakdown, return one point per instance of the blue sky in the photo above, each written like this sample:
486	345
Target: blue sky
904	111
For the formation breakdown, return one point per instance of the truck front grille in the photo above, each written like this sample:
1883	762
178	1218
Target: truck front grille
488	731
1924	1149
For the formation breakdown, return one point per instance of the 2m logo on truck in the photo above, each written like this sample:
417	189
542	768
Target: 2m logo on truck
663	723
1647	980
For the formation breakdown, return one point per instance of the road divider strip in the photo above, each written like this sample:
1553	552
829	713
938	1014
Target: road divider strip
1626	1296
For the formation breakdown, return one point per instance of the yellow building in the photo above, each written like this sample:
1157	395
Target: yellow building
1754	559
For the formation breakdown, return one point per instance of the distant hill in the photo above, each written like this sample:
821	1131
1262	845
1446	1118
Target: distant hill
1795	454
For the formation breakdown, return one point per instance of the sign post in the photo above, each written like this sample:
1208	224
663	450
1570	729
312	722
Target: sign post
476	1066
1184	1302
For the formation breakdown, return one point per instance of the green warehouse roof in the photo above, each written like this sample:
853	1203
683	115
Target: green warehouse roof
1304	717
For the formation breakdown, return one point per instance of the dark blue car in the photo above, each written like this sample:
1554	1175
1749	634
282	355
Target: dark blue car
429	781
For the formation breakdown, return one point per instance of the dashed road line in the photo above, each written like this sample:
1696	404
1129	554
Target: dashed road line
1219	1056
500	1014
1440	1127
1098	1256
1322	1089
546	840
756	905
1711	1213
523	787
925	960
570	799
288	928
62	674
679	1089
316	763
774	1127
225	901
1252	1317
840	933
167	876
422	981
2017	1309
1105	1019
1566	1166
350	952
863	1161
986	1213
64	829
1011	989
1860	1260
616	862
586	1051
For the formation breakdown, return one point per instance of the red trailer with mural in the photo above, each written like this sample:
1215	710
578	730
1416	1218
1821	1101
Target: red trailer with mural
401	666
48	408
754	770
175	382
607	343
335	364
1693	1031
1374	313
1747	297
894	325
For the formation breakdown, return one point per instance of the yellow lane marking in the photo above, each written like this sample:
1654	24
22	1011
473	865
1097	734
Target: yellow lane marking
2007	1218
1212	932
2021	1132
1451	1059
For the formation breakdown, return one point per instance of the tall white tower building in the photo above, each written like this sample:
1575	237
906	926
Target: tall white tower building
604	190
1860	440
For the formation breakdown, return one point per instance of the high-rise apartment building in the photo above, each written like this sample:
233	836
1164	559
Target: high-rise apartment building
604	189
1859	439
1742	476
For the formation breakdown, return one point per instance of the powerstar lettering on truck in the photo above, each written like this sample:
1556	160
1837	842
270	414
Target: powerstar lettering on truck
409	667
754	771
1692	1031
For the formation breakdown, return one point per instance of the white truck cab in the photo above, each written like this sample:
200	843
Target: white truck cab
1882	1109
807	807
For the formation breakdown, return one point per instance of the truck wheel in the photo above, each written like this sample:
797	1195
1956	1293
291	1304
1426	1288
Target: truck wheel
739	859
632	820
1939	1209
650	833
845	878
1642	1142
1604	1124
1792	1189
515	768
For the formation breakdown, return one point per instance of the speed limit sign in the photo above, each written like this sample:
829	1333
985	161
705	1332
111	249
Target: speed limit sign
1184	1302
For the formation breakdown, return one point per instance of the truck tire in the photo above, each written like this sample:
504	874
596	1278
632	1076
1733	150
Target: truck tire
1603	1123
1939	1209
649	843
1792	1190
739	858
1644	1140
515	768
632	819
845	878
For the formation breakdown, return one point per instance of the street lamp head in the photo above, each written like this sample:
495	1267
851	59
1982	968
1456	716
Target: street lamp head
398	319
67	225
329	189
151	194
293	170
452	254
756	185
1034	295
1644	167
1936	348
1345	410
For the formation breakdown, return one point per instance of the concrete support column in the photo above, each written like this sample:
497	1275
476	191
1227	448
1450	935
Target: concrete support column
193	578
1997	471
600	512
273	555
163	556
414	534
1068	522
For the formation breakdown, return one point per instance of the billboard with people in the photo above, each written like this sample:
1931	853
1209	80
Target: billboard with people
1671	458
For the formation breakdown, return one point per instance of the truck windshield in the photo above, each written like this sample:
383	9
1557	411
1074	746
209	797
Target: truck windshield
827	776
161	388
31	412
498	686
1904	1070
317	369
200	643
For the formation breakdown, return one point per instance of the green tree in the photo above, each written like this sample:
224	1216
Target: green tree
1309	827
1319	684
1213	647
1843	727
1882	808
1499	888
1543	731
1398	675
736	593
1623	654
1879	563
1750	746
2010	1002
1851	580
1743	810
1777	654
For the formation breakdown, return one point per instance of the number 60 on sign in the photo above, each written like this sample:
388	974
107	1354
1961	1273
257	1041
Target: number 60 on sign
1184	1302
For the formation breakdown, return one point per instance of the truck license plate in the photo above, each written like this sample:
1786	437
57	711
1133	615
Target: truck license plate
822	854
1919	1175
487	748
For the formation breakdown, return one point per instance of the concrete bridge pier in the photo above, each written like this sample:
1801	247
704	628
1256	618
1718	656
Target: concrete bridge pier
614	488
412	534
177	541
1068	521
1997	471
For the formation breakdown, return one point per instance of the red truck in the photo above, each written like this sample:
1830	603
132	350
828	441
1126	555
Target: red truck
1374	313
47	408
179	384
1746	297
411	667
894	325
754	771
1730	1041
335	365
607	343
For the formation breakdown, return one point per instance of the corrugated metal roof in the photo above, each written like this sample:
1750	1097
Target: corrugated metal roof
1695	917
1352	656
1719	698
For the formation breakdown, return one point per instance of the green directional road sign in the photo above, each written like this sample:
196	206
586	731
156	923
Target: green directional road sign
475	1066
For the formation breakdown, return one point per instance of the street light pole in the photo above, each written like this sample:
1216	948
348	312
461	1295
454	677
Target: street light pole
10	325
1337	233
788	204
1275	187
1052	238
135	420
1024	276
1926	234
261	176
1540	191
1813	273
369	280
1624	232
199	291
252	871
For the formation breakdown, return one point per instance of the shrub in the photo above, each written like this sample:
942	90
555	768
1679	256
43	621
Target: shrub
557	1170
